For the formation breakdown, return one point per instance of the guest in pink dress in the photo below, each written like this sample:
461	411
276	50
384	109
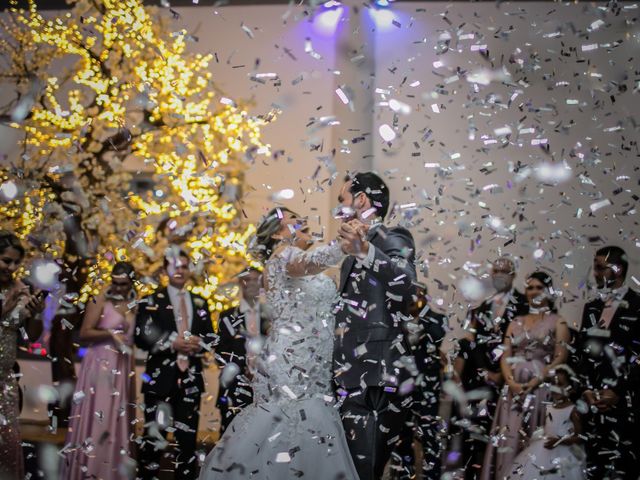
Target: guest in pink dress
98	443
534	345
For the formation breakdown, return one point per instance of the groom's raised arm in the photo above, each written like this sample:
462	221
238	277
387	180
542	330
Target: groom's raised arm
392	263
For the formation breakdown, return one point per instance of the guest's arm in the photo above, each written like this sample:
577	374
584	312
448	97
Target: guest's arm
206	338
223	349
505	364
148	335
90	332
629	379
560	354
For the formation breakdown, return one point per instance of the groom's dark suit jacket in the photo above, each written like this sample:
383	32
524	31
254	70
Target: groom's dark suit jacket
369	340
608	358
155	325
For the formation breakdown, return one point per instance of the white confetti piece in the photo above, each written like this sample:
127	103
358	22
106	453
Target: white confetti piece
386	132
590	47
286	194
400	107
248	31
598	205
8	190
502	131
342	96
553	172
435	108
283	457
286	389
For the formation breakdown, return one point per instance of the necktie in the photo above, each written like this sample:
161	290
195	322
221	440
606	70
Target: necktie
499	307
182	324
607	314
251	323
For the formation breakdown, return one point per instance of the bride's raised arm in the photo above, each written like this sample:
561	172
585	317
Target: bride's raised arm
300	263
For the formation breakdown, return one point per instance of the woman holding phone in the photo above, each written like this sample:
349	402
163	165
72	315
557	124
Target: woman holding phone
20	309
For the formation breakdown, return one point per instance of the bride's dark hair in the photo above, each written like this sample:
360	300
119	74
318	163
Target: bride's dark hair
262	242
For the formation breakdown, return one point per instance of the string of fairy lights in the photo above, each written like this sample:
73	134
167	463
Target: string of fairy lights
98	86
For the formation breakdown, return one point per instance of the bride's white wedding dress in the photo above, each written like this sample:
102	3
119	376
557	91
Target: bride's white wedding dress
292	429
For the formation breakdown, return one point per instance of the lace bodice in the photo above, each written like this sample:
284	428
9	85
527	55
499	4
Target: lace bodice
296	359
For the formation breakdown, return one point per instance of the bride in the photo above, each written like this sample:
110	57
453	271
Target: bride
293	428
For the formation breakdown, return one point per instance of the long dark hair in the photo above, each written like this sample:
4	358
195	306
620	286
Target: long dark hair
262	243
122	269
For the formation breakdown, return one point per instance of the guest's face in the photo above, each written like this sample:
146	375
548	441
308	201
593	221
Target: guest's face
121	285
250	285
179	272
536	293
502	275
295	230
10	260
606	274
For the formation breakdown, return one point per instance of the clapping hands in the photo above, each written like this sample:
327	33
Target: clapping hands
187	345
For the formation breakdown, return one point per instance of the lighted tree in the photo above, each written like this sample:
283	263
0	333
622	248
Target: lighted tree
107	82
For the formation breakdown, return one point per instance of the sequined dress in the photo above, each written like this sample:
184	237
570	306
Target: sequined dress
11	463
293	428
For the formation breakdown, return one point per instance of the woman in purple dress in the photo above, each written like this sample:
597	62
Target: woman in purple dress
98	441
534	345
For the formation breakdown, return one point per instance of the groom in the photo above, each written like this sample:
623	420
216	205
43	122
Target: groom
370	353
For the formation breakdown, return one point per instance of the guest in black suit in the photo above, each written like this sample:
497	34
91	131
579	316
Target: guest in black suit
174	326
239	327
425	335
371	355
607	364
477	365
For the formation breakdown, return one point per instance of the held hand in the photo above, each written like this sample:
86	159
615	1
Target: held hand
35	304
516	388
361	228
550	442
589	396
182	345
494	378
607	400
532	384
194	344
352	240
